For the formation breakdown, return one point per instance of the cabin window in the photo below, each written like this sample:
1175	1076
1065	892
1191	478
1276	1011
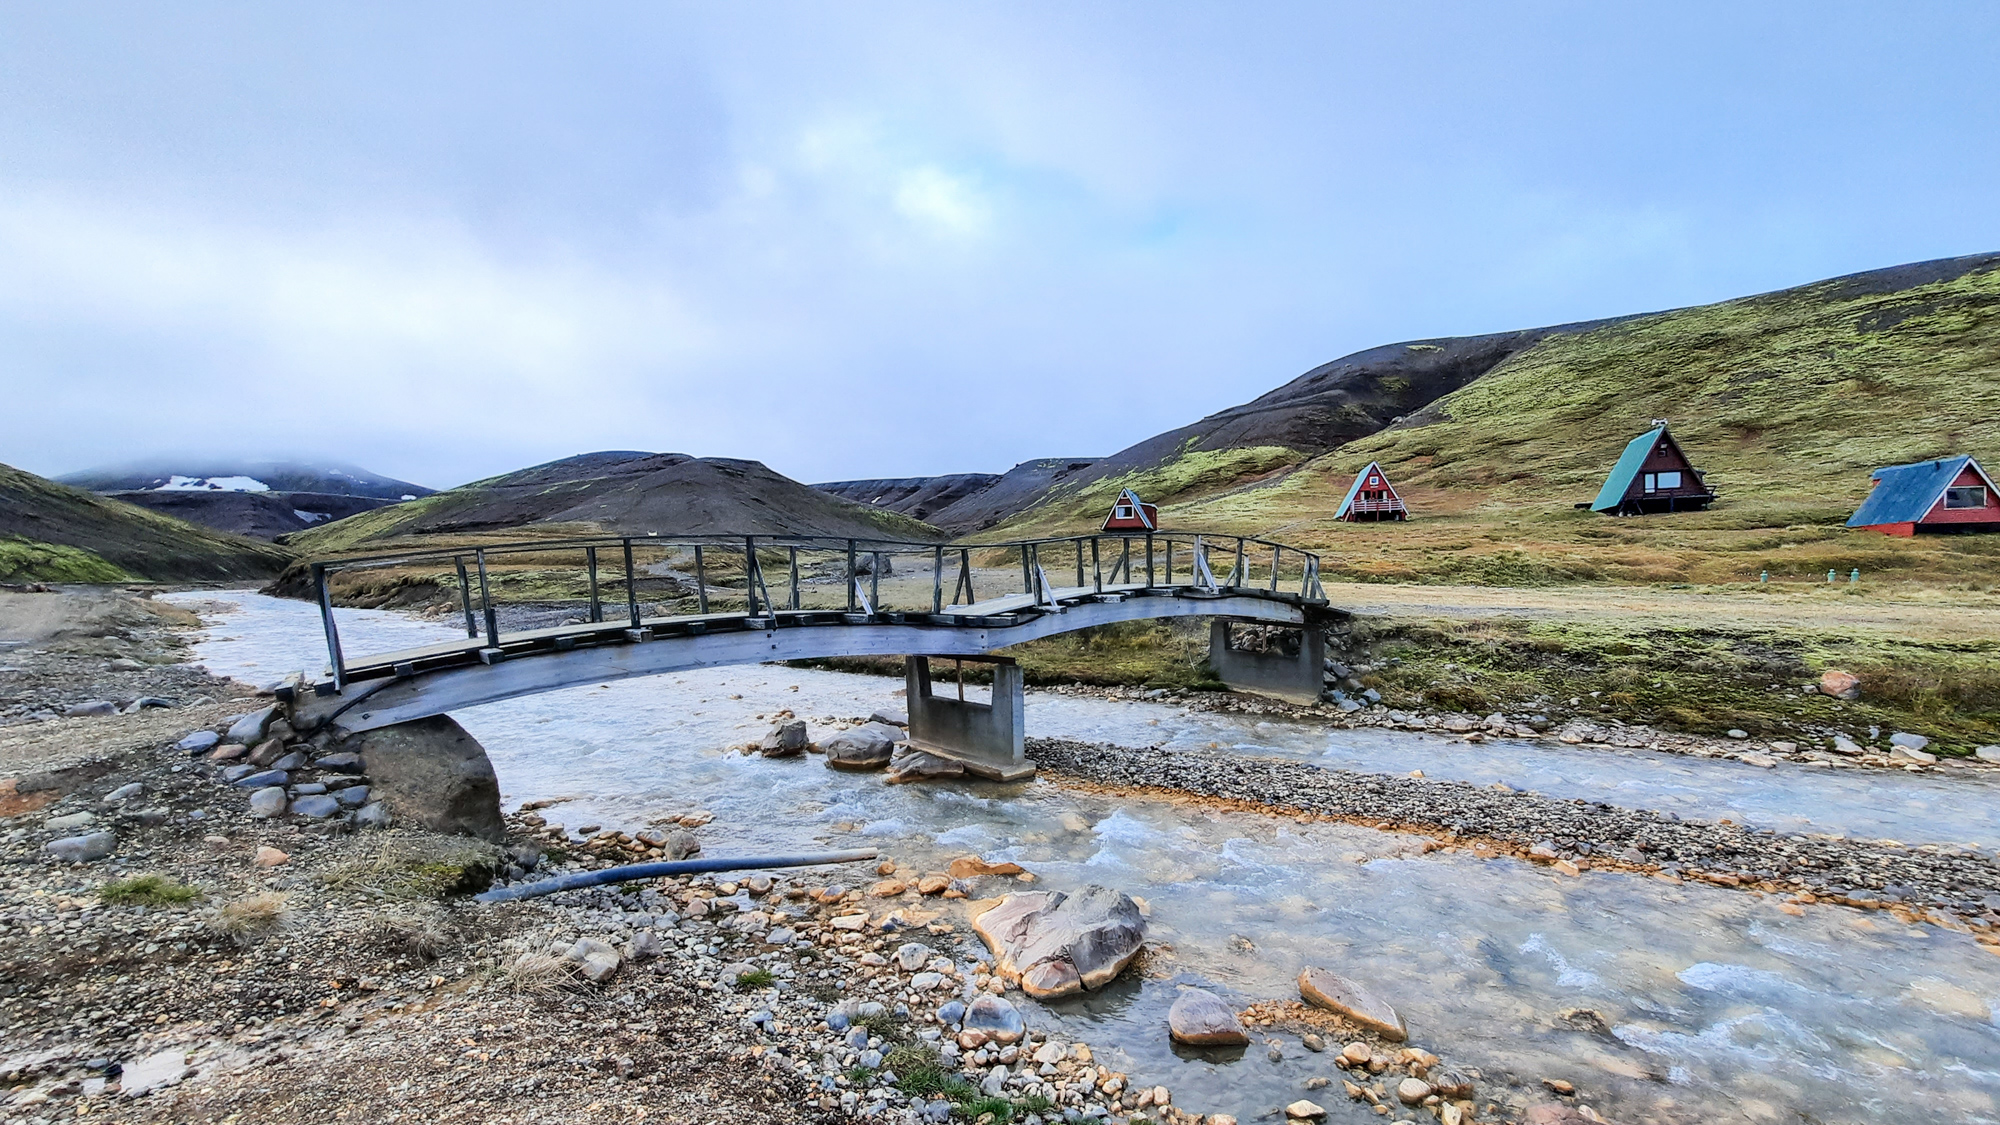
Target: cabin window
1970	497
1124	512
1670	480
1652	482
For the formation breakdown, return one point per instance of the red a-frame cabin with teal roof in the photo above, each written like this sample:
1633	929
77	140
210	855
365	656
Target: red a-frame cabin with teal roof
1371	497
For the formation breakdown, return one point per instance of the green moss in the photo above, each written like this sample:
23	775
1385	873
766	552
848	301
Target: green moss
413	867
147	890
1704	680
25	560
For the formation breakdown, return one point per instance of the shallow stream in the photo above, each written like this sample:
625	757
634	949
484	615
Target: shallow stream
1715	1004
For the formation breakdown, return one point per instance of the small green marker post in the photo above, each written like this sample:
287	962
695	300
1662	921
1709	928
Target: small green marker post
1764	577
1830	578
1854	577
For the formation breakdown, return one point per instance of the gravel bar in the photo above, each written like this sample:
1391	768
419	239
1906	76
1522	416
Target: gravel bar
1962	885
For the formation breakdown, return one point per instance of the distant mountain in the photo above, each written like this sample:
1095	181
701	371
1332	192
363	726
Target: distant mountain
626	493
259	515
51	532
170	474
962	503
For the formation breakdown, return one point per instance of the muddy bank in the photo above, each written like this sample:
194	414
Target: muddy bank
1961	886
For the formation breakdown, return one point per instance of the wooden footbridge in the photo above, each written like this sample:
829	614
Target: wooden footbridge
545	615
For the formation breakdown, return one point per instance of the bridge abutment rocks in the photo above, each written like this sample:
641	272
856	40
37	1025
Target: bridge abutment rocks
989	739
429	773
1283	662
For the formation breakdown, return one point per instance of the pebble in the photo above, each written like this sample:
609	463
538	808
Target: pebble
1412	1091
198	741
268	856
125	792
268	802
1303	1110
73	820
911	956
263	778
317	806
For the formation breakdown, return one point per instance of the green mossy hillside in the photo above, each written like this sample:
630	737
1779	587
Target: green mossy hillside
51	532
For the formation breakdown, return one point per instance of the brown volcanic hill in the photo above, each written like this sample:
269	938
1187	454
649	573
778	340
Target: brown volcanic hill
51	532
962	503
916	497
626	493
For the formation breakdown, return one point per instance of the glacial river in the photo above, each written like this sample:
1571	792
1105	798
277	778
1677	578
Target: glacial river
1715	1005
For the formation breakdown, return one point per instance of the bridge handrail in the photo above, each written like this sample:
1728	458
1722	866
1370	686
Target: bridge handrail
1035	578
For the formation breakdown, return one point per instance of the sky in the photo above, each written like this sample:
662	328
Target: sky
872	239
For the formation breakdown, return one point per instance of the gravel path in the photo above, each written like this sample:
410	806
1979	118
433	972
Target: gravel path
1960	885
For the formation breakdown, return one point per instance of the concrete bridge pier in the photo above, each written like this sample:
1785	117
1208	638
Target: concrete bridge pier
989	738
1277	661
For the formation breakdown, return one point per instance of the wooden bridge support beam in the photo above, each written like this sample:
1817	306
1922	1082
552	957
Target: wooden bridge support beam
1282	670
989	738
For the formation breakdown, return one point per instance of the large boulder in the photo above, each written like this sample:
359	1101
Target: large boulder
917	765
1199	1018
785	740
430	774
251	729
1054	944
866	747
1347	998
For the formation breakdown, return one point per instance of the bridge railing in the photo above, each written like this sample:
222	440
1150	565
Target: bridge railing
542	588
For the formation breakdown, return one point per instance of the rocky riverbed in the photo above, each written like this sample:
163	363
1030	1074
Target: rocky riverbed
1957	886
218	959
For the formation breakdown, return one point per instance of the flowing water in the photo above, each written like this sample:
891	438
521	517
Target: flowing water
1710	1004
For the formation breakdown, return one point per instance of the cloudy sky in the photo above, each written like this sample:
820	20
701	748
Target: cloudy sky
874	239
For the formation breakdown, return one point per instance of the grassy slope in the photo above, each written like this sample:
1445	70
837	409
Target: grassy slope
51	532
1787	400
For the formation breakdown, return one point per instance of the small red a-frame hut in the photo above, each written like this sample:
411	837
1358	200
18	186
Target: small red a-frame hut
1371	497
1129	513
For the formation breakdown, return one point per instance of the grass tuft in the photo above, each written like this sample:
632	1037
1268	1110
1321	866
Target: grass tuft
147	890
756	978
541	974
247	920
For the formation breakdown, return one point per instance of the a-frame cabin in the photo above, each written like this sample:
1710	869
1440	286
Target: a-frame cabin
1129	513
1948	494
1652	475
1371	497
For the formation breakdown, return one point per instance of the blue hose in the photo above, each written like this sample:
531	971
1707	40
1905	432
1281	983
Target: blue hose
660	870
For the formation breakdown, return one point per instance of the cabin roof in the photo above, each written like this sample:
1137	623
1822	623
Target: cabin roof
1906	493
1354	489
1629	462
1139	509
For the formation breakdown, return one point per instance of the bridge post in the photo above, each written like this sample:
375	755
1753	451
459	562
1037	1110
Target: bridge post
988	738
1287	667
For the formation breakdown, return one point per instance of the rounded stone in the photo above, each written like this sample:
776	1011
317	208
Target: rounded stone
995	1017
268	802
1199	1018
